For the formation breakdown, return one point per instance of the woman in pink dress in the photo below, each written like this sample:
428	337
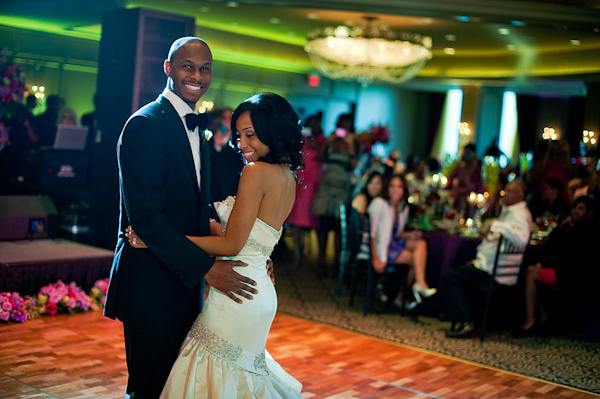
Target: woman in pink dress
300	218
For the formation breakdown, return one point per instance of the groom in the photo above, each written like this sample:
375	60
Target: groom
164	178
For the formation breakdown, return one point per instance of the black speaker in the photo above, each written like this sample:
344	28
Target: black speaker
135	42
25	217
65	168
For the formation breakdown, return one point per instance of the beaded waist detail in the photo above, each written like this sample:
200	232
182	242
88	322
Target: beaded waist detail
230	352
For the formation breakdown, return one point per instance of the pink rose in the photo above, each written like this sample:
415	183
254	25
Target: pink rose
51	308
4	316
7	306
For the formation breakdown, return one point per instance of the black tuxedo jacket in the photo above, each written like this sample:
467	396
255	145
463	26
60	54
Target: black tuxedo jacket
161	286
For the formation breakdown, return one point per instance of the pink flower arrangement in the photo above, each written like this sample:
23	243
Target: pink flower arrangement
52	299
98	291
375	134
62	298
12	80
15	308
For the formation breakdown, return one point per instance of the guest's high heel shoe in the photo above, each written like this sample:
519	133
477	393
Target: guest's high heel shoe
419	291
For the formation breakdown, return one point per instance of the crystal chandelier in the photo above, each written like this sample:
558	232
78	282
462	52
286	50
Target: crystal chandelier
368	53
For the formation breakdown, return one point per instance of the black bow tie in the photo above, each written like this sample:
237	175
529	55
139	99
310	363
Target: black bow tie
193	121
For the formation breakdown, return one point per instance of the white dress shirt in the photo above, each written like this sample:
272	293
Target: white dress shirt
514	223
382	216
183	109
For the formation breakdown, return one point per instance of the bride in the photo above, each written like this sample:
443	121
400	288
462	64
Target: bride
223	355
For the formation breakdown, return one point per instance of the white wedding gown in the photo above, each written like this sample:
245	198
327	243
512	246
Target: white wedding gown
223	355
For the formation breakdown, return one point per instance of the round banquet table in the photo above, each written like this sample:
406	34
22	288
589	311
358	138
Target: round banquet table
444	250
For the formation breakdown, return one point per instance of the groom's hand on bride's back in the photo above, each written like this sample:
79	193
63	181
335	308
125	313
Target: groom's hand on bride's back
222	277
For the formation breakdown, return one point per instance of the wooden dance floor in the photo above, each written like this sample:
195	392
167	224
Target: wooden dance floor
82	356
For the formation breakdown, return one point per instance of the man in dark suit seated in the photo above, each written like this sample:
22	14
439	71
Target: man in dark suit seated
514	223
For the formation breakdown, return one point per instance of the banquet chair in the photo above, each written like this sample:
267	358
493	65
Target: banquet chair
350	221
355	259
505	247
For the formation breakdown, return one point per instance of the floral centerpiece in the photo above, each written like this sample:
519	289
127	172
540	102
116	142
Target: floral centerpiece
15	308
375	134
62	298
98	292
12	83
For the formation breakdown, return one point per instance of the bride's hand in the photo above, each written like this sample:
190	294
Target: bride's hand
216	228
133	238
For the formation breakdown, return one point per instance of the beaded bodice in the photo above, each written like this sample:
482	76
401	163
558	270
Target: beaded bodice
262	238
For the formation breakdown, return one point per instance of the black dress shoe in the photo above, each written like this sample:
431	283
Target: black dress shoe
466	330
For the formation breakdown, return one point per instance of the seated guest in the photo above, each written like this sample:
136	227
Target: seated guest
572	251
465	178
420	181
514	223
372	189
45	124
551	202
580	185
390	243
67	117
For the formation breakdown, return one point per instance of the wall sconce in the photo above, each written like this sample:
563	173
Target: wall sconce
38	91
463	129
464	137
589	138
549	134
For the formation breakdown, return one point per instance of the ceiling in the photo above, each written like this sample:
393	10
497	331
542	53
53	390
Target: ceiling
546	39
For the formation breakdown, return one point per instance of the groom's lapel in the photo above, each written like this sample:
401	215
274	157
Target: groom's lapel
205	167
204	183
179	134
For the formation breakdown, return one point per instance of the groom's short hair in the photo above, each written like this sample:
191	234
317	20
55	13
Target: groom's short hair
177	44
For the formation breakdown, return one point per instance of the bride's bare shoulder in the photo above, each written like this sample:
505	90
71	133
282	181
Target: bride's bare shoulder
266	174
260	167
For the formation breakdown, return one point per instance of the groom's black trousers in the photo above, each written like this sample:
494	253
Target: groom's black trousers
150	356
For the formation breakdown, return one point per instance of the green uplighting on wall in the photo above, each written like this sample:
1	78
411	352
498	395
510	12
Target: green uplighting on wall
89	33
226	26
260	61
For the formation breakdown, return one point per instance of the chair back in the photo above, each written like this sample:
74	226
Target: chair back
506	271
507	262
351	236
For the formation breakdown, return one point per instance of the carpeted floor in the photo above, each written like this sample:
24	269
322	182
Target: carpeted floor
571	362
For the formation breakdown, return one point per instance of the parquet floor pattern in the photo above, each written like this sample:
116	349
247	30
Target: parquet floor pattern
83	356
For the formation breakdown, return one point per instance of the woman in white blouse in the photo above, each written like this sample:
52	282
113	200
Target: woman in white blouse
390	243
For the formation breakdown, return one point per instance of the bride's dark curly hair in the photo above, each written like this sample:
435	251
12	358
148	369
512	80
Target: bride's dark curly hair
276	125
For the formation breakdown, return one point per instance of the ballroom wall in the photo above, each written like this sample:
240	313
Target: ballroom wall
68	66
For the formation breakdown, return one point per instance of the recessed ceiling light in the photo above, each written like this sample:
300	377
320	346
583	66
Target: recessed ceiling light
575	42
450	37
232	4
449	51
504	31
312	15
274	21
510	47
